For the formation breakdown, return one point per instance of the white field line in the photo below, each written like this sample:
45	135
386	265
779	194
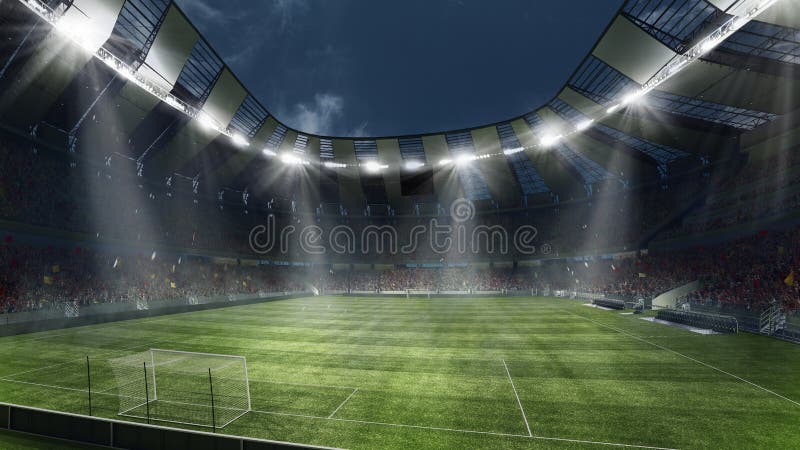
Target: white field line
81	330
519	402
689	358
388	424
259	380
342	404
455	430
83	358
64	388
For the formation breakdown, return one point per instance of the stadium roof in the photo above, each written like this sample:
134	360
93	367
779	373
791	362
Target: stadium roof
207	126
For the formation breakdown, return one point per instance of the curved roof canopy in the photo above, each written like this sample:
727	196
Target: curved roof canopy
669	82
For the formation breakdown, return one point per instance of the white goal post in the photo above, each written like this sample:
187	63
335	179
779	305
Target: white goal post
418	293
189	388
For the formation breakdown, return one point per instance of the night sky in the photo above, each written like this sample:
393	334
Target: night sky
377	68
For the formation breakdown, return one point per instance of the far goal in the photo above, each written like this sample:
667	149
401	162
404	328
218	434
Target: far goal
189	388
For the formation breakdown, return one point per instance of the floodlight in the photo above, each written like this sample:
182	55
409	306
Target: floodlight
445	162
127	73
550	140
240	140
613	108
632	97
268	152
709	44
511	151
334	165
374	166
291	159
206	121
414	165
464	159
172	101
584	125
80	33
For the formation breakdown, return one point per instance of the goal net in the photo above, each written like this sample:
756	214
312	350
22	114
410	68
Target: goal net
189	388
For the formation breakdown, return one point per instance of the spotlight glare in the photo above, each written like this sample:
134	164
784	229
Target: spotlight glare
414	165
550	140
268	152
240	140
206	121
464	159
374	166
445	162
631	98
81	33
334	165
613	108
292	160
584	125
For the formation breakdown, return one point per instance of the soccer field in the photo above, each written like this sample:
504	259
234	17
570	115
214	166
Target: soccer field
446	373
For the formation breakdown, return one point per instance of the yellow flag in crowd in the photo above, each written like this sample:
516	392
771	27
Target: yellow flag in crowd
48	279
172	285
789	280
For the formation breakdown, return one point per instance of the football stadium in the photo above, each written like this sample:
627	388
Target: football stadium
185	265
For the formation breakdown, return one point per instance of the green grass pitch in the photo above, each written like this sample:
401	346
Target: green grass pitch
367	373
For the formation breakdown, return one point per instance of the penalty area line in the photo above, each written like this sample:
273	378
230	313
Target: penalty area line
618	330
342	404
82	358
519	402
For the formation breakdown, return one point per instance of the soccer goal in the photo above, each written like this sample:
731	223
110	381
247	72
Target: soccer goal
188	388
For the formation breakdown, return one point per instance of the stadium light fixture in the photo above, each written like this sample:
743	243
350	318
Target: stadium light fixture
581	126
334	165
240	140
206	121
374	166
268	152
550	140
709	44
633	97
172	101
293	160
740	14
414	165
462	160
511	151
